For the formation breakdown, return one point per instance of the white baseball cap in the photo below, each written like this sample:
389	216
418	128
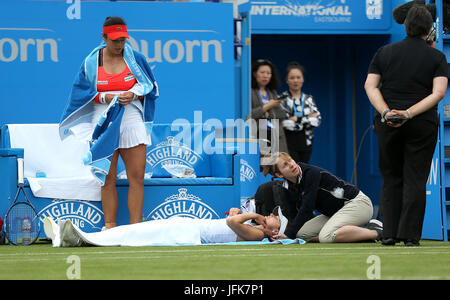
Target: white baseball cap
283	220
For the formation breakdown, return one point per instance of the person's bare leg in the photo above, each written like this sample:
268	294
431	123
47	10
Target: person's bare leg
134	159
350	233
109	194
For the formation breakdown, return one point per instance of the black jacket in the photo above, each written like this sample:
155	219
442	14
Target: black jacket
407	69
318	189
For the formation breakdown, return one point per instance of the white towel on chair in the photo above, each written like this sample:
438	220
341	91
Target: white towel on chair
66	175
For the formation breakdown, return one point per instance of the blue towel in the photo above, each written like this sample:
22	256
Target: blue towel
265	241
105	140
106	135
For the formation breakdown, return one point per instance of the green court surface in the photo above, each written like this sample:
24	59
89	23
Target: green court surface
262	262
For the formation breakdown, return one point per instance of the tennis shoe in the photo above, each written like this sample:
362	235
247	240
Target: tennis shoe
70	236
377	226
52	231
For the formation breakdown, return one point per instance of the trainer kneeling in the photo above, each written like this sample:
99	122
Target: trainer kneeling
343	207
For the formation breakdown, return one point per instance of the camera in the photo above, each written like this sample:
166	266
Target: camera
396	119
283	96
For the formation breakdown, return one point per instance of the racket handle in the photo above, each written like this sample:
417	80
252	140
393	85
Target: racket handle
20	171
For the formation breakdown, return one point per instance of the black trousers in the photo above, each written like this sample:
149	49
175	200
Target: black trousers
298	150
405	156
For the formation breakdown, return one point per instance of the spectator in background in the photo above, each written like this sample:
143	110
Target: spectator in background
302	115
266	107
406	80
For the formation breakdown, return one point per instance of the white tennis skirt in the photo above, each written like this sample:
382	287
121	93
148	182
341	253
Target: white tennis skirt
132	128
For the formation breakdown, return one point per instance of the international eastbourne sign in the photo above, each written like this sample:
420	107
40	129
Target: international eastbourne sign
320	15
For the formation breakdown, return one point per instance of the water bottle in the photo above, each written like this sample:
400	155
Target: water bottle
26	231
143	219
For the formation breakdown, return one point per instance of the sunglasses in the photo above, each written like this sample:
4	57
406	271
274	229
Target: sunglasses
263	61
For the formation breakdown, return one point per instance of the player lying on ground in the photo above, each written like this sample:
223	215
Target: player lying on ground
174	231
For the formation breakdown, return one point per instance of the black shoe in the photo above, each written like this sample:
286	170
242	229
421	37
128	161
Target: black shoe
377	226
388	241
411	243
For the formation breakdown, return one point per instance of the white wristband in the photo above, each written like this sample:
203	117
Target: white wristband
409	113
102	98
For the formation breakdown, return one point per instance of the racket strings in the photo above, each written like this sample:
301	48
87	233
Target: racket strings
22	224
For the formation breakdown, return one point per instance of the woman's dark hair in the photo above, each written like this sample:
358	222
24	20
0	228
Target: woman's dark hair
274	82
418	21
114	21
294	65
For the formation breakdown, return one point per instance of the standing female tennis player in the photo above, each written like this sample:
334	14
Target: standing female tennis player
114	69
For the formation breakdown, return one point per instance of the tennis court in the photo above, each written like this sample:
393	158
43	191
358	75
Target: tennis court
264	262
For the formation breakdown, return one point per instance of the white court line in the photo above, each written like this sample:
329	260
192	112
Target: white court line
443	277
202	255
212	249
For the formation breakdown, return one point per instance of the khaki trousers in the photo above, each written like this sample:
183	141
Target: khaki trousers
357	212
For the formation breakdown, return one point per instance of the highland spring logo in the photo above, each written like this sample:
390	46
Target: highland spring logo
247	172
218	133
81	213
185	147
172	152
182	205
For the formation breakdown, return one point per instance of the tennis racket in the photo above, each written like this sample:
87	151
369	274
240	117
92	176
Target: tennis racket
22	223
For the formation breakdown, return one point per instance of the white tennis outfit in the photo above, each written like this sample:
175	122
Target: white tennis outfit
132	128
215	231
174	231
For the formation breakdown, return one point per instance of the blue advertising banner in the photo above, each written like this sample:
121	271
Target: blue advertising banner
189	46
319	16
432	223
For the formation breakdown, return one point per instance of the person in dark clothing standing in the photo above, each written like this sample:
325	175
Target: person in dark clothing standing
302	115
343	208
405	82
266	107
